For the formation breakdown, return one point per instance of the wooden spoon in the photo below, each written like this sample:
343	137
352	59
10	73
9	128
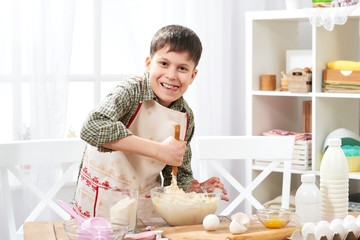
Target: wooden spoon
177	137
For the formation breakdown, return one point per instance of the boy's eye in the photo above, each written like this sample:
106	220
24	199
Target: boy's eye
163	63
182	68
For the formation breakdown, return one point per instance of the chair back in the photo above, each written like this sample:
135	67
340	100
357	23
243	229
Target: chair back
279	149
54	151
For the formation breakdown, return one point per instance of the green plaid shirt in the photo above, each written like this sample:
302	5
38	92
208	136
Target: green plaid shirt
108	121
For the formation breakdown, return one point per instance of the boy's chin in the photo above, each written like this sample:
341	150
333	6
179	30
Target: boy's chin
166	102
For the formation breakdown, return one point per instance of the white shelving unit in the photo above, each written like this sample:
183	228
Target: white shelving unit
268	35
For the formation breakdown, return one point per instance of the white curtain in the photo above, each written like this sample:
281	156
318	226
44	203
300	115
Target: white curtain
46	35
41	40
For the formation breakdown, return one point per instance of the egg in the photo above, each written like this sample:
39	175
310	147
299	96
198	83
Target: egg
322	229
337	227
350	218
241	218
336	220
323	223
351	226
211	222
236	227
308	228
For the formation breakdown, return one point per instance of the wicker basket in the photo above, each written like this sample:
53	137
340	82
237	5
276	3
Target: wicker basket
354	163
301	158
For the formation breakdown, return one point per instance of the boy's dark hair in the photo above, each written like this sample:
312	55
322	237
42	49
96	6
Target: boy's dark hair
179	39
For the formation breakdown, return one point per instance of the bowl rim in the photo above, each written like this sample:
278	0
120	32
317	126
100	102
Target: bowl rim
216	190
274	210
73	224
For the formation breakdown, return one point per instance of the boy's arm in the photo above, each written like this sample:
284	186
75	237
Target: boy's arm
170	151
107	122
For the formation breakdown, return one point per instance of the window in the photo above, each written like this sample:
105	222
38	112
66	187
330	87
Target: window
105	48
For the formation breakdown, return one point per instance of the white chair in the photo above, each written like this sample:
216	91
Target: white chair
36	152
211	150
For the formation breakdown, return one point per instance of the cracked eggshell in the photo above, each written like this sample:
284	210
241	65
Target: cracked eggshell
241	218
236	227
211	222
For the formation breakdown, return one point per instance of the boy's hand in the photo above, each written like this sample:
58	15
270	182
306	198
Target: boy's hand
172	151
213	181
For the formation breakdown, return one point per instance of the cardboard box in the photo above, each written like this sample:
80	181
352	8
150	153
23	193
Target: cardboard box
336	76
306	117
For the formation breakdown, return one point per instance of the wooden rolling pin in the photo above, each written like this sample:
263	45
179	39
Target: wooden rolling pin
278	234
177	137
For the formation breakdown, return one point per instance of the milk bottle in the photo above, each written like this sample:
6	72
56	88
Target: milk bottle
307	201
334	182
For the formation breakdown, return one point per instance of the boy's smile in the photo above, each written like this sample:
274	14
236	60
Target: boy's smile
170	74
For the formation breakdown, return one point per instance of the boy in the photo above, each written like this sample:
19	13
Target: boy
130	134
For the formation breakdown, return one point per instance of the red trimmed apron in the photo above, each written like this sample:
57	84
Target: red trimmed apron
101	171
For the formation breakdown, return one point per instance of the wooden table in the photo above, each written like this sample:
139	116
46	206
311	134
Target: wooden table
54	230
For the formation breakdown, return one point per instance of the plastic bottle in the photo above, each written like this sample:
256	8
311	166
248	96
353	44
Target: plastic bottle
334	182
307	201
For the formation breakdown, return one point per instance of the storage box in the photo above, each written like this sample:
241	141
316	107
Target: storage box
349	77
301	158
354	163
337	81
299	81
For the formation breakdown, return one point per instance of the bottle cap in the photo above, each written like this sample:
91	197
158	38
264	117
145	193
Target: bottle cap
308	178
334	142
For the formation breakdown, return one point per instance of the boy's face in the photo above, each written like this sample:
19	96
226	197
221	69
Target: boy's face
170	74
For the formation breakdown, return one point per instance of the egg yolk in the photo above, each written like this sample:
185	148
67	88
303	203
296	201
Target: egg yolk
275	223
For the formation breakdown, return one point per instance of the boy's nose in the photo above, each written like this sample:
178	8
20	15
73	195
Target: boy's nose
171	74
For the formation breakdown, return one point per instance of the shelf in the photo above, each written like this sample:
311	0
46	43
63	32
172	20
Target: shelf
338	95
294	171
352	175
310	94
269	35
293	15
282	94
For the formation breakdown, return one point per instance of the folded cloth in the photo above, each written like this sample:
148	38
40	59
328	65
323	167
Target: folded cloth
276	202
278	132
341	86
347	137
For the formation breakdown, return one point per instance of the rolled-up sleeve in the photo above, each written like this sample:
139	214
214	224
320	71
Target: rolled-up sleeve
108	121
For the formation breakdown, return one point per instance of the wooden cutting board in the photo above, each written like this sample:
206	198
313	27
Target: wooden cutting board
255	232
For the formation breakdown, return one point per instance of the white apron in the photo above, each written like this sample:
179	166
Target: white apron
101	171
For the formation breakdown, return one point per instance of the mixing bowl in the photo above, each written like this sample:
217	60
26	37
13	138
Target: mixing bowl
99	229
185	208
274	218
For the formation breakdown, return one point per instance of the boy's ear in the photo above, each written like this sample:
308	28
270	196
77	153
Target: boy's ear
147	64
193	75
